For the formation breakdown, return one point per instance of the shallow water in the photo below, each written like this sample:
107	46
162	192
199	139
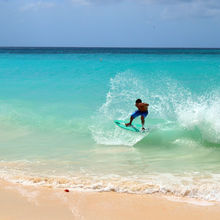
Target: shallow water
57	108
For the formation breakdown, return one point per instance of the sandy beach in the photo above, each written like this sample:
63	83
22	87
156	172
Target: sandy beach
28	202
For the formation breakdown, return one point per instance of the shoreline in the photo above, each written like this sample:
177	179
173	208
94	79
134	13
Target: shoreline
31	202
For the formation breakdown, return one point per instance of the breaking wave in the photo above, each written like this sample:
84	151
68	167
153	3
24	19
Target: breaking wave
172	107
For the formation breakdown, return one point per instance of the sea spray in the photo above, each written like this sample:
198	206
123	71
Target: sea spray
124	90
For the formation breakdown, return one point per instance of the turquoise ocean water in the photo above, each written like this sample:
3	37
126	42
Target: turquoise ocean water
57	107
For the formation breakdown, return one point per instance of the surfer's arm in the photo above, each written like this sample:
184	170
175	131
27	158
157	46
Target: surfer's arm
145	104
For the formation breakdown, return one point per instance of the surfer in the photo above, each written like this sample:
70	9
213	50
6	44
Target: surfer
142	111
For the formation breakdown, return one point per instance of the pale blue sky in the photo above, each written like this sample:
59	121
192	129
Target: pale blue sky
118	23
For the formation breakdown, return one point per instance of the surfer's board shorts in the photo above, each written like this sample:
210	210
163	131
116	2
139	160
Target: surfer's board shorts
138	113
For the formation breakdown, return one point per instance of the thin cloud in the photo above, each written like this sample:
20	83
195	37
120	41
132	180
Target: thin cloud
82	2
37	5
96	2
171	9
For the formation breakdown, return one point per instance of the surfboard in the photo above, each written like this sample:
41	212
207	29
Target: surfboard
134	127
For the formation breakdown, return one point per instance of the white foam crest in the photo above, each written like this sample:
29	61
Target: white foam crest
187	185
171	101
203	113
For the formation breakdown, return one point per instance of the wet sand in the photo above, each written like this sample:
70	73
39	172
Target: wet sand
28	202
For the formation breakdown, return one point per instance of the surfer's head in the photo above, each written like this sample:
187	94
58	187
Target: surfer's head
138	101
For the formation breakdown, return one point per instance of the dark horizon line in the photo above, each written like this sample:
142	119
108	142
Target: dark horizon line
100	47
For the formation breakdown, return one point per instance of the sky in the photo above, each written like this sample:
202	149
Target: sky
110	23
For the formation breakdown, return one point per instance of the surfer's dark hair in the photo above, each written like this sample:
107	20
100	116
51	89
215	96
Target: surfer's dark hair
138	101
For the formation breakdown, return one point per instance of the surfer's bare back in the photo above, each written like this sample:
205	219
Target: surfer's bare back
142	111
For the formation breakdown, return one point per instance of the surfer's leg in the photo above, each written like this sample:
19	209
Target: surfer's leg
143	116
133	116
131	119
142	121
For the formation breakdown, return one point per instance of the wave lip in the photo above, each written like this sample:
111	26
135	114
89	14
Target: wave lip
202	114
